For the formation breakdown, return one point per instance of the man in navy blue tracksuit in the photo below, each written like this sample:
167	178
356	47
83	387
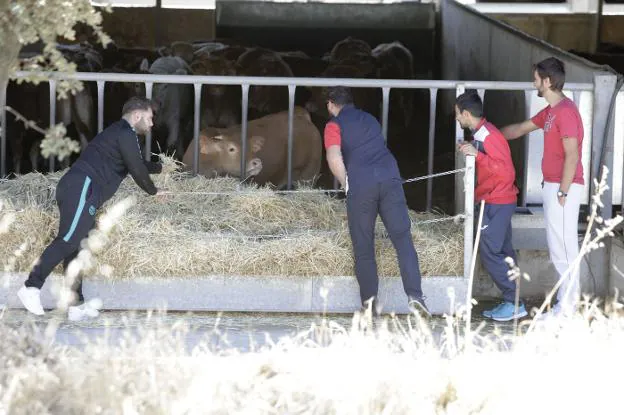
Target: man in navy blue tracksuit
358	157
88	184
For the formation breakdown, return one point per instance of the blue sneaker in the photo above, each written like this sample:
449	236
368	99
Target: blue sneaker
488	313
507	312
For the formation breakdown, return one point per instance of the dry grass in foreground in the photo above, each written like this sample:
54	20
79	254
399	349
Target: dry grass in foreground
394	368
197	230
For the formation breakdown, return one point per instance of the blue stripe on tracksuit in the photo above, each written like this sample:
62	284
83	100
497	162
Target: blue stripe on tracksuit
78	198
79	209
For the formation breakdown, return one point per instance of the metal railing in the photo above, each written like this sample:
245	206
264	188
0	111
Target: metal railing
464	190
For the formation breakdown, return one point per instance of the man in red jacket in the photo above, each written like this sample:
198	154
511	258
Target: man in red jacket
495	185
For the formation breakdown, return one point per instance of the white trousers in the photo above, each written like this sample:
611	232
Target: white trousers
562	237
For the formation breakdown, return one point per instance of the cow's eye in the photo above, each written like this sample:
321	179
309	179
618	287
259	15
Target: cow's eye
232	149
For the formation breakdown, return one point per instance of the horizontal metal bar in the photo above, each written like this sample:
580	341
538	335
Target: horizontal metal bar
285	81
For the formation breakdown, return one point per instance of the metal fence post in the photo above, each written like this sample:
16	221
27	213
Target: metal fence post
100	101
385	109
459	158
525	171
244	109
469	180
52	114
196	118
291	113
3	133
148	136
433	98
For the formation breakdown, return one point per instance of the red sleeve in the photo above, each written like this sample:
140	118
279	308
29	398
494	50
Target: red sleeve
495	154
539	119
567	123
332	135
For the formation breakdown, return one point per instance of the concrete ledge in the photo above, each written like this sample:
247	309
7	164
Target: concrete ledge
238	293
528	230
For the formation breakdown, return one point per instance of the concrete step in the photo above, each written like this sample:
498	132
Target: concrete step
244	293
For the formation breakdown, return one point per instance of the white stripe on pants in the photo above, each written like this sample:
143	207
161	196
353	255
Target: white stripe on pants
562	237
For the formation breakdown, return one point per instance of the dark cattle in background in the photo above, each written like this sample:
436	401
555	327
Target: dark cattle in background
264	100
220	104
352	56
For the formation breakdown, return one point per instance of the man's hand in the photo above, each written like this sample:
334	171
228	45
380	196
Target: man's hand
562	200
467	148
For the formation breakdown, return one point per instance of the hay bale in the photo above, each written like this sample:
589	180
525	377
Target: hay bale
198	230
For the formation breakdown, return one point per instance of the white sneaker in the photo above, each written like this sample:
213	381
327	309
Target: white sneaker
31	299
85	310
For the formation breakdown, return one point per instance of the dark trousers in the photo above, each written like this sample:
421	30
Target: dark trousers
495	246
77	200
363	205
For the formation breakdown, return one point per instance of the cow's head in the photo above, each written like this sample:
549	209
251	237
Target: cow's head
221	154
208	65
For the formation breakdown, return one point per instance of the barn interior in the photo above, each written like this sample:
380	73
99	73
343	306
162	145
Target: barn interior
314	29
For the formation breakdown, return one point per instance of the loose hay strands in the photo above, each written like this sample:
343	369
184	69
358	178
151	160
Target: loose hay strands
197	230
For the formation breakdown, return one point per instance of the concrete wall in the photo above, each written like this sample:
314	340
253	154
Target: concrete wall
315	27
150	27
477	47
567	31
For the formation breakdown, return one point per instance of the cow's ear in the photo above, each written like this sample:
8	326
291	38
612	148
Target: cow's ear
257	142
144	65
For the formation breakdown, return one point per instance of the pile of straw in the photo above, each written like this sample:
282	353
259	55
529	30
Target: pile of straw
195	230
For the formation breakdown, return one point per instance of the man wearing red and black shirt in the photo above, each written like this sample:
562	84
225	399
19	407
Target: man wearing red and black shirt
495	185
562	169
358	157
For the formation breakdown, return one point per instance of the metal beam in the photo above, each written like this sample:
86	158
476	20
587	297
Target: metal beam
285	81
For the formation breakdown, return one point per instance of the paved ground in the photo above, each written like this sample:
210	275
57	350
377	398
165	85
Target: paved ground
243	331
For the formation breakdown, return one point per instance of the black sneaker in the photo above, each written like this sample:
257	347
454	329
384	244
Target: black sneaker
417	305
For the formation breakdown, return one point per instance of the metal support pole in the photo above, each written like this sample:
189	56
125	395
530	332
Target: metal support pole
244	109
602	151
459	160
196	114
384	112
291	113
598	26
481	93
100	100
52	114
148	137
576	97
433	96
3	133
469	180
525	170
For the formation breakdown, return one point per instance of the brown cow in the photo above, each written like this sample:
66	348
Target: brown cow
268	141
220	157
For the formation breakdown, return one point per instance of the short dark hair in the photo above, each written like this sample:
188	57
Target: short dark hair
470	101
339	95
137	104
553	69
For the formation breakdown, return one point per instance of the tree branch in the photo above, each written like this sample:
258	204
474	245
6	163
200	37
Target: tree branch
27	123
